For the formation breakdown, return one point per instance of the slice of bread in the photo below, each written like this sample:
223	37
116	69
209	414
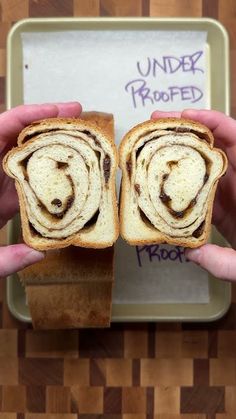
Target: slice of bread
170	171
64	170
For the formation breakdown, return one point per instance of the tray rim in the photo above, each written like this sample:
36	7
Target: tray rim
22	24
214	315
119	20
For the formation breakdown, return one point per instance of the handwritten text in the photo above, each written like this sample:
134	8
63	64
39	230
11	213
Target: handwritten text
169	64
142	94
160	253
150	68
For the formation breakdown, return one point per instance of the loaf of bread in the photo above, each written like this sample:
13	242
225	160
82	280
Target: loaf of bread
72	286
170	172
64	171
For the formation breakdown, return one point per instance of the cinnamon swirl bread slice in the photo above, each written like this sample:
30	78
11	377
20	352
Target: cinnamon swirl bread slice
170	172
64	170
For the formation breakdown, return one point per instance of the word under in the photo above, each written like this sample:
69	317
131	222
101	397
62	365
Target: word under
170	64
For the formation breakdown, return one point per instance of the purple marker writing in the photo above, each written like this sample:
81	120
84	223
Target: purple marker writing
170	64
142	95
160	253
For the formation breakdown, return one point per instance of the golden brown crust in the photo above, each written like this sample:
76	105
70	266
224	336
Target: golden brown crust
67	306
102	120
98	123
85	122
162	124
70	288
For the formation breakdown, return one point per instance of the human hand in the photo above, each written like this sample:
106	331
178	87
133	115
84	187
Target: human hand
219	261
16	257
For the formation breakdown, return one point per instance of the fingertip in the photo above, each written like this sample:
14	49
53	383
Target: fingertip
190	113
45	106
193	254
72	103
16	257
33	256
218	261
69	109
154	115
23	250
165	114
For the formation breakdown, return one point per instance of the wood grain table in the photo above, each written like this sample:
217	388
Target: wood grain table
134	371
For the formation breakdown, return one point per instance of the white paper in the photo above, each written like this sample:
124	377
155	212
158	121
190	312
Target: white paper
129	74
104	69
157	274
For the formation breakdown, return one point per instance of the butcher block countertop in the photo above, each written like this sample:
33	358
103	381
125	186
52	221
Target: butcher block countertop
133	371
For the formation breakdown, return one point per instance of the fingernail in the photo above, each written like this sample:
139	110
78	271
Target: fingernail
47	106
34	256
193	254
68	103
155	113
189	112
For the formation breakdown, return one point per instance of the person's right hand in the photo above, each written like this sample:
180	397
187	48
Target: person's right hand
221	262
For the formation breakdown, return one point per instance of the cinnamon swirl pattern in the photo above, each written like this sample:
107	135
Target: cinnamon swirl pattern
170	172
65	178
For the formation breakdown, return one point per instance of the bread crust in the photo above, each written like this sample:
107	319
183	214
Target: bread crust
70	288
102	123
69	306
98	124
166	123
125	148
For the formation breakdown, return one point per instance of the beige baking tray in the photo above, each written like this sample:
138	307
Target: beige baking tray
218	87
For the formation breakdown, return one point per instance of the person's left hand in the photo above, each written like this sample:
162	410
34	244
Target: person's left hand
16	257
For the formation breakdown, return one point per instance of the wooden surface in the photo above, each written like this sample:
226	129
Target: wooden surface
134	371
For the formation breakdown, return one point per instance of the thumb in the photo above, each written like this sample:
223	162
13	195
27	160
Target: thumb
219	261
16	257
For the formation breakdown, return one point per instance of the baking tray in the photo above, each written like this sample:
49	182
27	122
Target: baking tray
218	87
